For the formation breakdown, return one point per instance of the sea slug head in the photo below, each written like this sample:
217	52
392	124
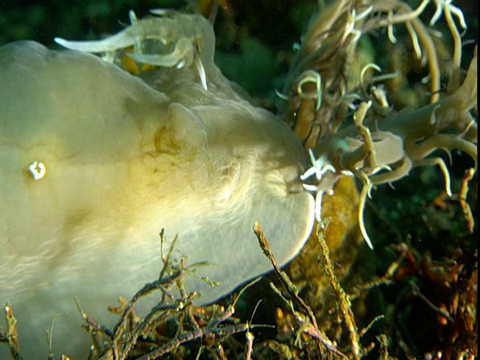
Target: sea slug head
96	162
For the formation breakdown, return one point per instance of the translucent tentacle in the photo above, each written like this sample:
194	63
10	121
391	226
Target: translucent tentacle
120	40
361	209
437	161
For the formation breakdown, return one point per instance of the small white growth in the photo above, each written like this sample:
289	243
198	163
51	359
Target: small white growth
319	167
38	170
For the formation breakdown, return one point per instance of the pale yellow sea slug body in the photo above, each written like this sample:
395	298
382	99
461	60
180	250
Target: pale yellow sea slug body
95	162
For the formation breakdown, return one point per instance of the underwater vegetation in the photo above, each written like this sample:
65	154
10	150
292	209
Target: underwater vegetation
379	93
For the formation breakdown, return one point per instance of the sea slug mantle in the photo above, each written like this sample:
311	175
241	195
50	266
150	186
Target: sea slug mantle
120	157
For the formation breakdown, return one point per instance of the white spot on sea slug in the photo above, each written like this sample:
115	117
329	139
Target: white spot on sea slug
38	170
